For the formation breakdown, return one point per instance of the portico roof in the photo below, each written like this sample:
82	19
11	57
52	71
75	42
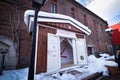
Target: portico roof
53	17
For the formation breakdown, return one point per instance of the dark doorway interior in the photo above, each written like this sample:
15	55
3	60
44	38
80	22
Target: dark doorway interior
66	52
89	50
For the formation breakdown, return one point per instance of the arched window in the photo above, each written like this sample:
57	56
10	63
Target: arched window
53	8
72	12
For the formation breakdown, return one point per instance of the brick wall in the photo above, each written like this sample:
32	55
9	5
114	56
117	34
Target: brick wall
98	38
12	24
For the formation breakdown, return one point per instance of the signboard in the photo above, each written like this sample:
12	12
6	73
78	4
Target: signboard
64	33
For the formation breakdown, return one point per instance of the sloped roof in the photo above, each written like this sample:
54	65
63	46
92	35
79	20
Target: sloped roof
113	27
53	17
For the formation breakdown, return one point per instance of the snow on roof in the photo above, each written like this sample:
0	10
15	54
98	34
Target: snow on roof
53	17
108	29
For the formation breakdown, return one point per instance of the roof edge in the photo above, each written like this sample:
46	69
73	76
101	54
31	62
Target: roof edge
47	17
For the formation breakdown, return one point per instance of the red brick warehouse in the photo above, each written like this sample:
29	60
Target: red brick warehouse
14	30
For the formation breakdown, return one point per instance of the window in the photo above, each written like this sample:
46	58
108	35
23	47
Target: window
85	19
53	8
94	25
73	12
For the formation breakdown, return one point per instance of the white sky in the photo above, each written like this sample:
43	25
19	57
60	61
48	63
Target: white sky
106	9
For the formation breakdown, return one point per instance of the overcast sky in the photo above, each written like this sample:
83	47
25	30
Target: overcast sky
108	10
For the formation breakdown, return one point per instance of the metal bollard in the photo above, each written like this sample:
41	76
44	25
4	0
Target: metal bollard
2	57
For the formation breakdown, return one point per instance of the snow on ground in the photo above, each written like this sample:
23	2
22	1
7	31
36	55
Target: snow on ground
94	65
105	56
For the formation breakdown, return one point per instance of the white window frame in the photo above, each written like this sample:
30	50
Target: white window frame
53	8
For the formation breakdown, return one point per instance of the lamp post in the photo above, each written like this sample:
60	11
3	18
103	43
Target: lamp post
37	4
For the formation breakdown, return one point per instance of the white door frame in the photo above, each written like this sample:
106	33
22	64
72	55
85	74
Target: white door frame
76	56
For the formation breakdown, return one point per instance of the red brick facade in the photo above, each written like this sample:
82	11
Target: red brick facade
99	39
12	25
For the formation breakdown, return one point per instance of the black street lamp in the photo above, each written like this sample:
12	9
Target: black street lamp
37	4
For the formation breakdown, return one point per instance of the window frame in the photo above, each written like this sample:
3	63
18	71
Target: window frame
53	8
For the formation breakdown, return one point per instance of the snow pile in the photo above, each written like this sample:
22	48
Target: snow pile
111	63
65	76
105	56
100	64
97	65
94	65
20	74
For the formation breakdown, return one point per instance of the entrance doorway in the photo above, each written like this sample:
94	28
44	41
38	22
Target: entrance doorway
90	50
66	52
